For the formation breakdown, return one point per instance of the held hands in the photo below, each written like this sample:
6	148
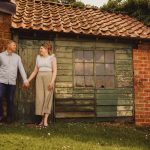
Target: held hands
26	84
51	86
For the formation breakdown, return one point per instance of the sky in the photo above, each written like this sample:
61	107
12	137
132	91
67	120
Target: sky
95	2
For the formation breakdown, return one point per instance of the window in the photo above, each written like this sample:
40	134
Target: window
94	68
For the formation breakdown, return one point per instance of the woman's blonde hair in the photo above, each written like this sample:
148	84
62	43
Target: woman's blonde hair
48	46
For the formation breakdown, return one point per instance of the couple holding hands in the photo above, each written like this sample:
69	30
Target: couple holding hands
45	71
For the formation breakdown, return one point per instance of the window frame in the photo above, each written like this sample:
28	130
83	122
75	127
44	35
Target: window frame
94	68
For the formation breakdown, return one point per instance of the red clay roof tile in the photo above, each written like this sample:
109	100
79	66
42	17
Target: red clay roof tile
48	16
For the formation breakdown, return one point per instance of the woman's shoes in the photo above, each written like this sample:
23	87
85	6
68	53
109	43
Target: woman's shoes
42	125
39	125
45	125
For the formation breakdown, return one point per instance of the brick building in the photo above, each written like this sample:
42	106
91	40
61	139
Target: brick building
141	63
7	8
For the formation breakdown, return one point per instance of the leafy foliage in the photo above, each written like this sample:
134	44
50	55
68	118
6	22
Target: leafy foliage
139	9
71	2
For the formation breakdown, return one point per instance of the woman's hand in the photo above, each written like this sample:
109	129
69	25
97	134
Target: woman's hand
50	86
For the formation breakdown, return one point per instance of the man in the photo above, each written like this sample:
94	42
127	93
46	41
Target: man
9	65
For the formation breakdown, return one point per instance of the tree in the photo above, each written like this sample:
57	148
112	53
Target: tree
136	8
71	2
78	4
67	1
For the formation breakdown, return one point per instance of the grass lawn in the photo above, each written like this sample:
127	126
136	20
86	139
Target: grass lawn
75	136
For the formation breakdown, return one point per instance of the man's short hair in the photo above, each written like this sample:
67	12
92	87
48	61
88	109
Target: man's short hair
10	41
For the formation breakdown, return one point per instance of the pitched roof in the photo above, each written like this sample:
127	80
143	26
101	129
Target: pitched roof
48	16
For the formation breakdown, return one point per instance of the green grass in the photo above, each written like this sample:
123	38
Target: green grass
75	136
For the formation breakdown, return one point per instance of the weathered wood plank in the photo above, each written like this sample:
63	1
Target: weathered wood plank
115	91
123	62
88	43
120	68
124	113
63	90
123	78
115	114
65	66
83	96
123	51
125	72
75	44
63	49
63	55
123	56
74	102
114	96
106	114
104	48
64	61
82	91
63	96
113	108
64	78
74	114
114	102
64	84
127	83
64	72
74	108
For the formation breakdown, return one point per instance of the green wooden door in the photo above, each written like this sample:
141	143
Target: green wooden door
28	50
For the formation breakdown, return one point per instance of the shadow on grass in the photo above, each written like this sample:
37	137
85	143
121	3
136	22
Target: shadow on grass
105	135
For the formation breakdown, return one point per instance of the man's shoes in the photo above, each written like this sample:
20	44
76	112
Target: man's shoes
6	120
3	119
9	120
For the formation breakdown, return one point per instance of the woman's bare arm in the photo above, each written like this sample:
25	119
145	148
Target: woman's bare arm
33	74
54	66
54	73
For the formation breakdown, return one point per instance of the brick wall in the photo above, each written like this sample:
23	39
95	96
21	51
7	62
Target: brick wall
5	34
141	62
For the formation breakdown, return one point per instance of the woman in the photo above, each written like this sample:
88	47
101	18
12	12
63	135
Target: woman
46	70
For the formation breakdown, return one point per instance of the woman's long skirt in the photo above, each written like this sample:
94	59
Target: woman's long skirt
44	97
